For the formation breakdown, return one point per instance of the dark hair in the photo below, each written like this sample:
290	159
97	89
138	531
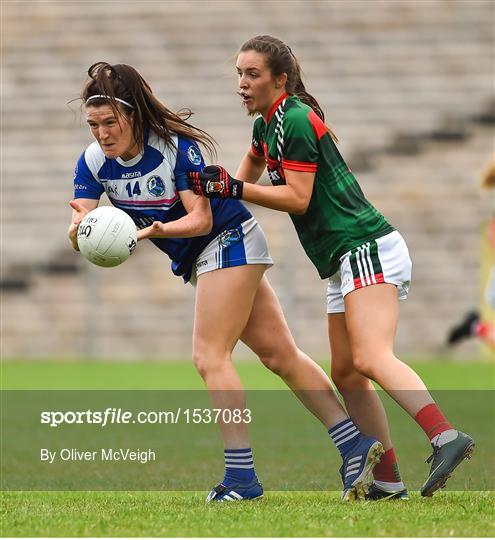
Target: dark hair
123	82
280	59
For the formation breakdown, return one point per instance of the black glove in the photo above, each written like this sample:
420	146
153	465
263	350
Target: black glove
215	182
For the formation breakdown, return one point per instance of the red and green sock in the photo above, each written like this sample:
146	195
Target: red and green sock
386	473
433	422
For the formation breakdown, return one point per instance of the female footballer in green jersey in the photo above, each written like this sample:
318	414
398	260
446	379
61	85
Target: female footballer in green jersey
364	258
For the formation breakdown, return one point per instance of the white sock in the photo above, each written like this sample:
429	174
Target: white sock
390	487
444	437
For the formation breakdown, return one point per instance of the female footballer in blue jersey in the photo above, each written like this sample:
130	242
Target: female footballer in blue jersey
351	244
140	159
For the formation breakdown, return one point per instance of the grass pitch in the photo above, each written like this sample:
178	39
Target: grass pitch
283	514
287	514
19	375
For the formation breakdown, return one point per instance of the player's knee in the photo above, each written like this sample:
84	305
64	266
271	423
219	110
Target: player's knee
364	363
273	362
273	354
205	362
343	373
201	365
372	361
278	359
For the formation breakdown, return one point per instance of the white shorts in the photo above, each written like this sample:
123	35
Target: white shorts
384	260
244	244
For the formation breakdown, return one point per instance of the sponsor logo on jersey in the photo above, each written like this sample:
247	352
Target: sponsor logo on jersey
194	155
155	186
131	174
199	264
227	238
75	172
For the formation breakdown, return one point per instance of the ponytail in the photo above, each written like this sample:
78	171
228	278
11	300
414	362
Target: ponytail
298	89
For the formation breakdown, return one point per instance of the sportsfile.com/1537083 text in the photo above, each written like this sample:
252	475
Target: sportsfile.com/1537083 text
112	416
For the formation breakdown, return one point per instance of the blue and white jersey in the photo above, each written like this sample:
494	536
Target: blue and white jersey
147	188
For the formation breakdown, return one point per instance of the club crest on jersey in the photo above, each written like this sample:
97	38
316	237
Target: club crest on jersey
194	155
155	186
229	237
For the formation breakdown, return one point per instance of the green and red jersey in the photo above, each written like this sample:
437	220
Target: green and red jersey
339	218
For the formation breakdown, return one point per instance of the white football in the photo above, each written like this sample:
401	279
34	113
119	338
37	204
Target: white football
107	236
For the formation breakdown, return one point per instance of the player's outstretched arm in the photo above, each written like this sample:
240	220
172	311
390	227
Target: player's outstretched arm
80	207
197	222
293	197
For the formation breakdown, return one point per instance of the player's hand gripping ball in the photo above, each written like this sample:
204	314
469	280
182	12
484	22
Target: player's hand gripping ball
107	236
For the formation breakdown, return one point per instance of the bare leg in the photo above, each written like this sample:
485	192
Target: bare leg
224	299
361	400
268	335
371	318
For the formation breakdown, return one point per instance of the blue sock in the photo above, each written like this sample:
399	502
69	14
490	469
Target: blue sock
239	466
345	435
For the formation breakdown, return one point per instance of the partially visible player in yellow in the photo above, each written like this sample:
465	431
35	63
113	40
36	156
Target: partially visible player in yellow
476	324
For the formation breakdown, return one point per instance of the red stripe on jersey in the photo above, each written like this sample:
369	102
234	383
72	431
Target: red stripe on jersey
357	283
318	125
271	112
161	202
299	165
272	163
257	151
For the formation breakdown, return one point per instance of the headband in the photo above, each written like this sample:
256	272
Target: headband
102	96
